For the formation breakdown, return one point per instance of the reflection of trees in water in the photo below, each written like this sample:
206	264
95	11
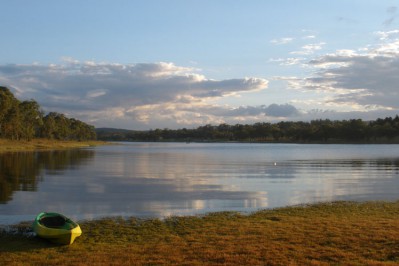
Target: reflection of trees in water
23	170
55	162
389	165
18	172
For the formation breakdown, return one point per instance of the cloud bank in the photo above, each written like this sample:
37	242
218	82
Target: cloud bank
368	78
136	95
344	84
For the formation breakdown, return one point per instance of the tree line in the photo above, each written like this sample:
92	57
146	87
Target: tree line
317	131
24	120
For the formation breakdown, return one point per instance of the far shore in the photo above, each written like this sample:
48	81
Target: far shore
7	145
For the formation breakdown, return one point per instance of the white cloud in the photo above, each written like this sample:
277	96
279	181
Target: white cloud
188	114
348	83
282	41
307	37
368	79
387	35
288	61
309	49
135	93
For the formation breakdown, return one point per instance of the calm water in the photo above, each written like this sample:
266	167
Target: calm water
163	179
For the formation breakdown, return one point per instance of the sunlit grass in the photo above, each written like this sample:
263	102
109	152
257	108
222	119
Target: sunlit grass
43	144
340	233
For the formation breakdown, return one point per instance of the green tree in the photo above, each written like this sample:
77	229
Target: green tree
8	104
62	127
81	131
25	120
32	119
353	130
12	126
49	126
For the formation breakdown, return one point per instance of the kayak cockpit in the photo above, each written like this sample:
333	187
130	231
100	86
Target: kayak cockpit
53	221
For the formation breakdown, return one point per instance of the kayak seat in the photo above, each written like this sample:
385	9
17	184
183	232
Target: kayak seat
53	221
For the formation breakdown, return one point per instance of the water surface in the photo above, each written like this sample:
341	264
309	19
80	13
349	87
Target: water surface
163	179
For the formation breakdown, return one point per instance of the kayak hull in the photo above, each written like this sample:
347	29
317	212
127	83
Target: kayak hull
56	228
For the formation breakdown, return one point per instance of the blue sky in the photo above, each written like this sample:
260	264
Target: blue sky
156	64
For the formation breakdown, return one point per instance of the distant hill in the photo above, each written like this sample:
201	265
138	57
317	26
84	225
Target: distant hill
111	130
112	134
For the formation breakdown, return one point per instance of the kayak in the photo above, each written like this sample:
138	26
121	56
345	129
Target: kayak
56	227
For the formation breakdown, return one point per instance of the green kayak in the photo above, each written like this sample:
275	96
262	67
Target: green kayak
56	227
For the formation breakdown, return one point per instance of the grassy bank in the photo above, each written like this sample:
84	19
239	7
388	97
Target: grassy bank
338	233
43	144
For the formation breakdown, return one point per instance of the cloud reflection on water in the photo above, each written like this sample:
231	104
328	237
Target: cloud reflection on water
163	179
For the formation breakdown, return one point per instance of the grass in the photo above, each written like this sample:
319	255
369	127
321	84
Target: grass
339	233
43	144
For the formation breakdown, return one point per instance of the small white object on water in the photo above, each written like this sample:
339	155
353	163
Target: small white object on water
275	163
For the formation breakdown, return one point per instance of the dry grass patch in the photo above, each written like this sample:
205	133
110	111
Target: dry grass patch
340	233
43	144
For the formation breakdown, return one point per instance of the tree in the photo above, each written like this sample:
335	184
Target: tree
12	126
49	127
353	130
7	103
32	119
25	120
62	127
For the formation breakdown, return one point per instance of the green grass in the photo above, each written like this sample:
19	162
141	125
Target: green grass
339	233
43	144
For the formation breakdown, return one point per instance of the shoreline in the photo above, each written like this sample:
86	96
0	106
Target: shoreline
334	233
202	215
257	142
44	144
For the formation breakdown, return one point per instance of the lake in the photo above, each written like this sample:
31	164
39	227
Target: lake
165	179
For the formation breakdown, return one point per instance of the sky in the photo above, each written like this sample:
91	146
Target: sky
184	63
